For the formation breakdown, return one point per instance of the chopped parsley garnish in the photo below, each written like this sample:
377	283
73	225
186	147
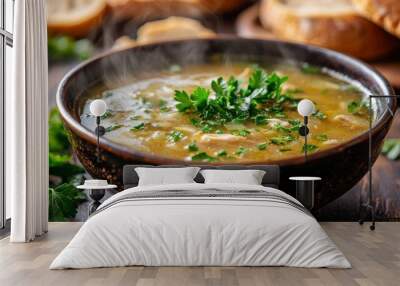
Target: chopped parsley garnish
222	153
319	114
163	106
107	114
192	147
175	136
227	102
165	109
242	132
203	156
260	119
321	137
138	127
310	69
309	148
294	126
357	107
113	127
283	140
262	146
206	128
241	151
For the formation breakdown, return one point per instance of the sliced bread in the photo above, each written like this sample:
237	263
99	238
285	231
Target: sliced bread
172	28
151	9
74	17
332	24
385	13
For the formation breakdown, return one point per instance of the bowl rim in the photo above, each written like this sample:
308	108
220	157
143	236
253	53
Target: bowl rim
128	153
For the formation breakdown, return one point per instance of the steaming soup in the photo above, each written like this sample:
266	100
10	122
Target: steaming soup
193	114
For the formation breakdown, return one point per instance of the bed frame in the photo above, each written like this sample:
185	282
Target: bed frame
271	177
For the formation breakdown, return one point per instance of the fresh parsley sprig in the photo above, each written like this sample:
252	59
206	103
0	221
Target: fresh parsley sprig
227	102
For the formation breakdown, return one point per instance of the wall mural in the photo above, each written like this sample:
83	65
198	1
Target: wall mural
211	102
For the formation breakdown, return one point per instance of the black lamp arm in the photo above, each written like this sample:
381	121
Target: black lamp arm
100	131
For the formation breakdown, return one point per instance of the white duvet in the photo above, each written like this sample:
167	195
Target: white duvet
200	231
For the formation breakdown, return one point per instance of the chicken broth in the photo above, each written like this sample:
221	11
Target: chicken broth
249	117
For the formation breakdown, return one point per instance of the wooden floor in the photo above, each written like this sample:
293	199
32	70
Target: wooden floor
375	257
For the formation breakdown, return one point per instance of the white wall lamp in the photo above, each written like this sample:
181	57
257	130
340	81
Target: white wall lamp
98	108
305	108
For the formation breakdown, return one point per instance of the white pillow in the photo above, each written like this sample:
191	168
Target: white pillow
248	177
166	176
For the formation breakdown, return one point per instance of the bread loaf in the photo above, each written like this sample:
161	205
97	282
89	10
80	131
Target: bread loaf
385	13
332	24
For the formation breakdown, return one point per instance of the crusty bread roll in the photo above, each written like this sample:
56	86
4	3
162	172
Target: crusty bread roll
147	9
332	24
385	13
74	17
172	28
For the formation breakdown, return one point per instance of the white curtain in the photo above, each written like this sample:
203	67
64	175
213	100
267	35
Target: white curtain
26	124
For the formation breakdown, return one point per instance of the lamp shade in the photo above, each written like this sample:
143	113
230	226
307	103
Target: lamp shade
305	107
98	107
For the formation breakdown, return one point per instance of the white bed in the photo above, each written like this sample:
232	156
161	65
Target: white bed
224	225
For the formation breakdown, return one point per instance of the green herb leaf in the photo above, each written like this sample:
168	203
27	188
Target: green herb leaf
310	148
222	153
184	101
63	202
199	98
138	127
165	109
203	156
192	147
241	151
262	146
321	137
163	106
226	102
320	115
242	132
107	114
113	127
283	140
175	136
357	107
294	126
260	119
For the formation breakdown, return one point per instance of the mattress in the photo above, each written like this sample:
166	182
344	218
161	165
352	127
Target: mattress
201	225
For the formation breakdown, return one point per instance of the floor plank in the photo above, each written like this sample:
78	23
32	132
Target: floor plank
375	257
